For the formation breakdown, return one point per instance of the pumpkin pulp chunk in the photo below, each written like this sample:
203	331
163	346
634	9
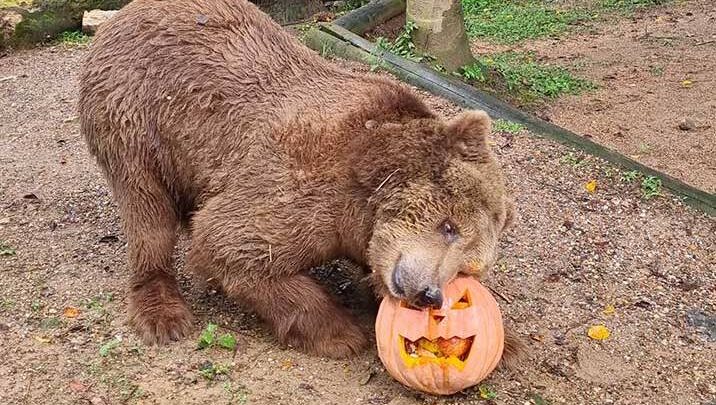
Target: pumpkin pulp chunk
452	351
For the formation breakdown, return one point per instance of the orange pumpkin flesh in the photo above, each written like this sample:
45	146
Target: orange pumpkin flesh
446	350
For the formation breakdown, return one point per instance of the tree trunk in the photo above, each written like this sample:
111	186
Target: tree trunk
440	31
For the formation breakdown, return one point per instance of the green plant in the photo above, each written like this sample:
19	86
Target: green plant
238	395
630	176
6	250
508	21
656	70
73	38
630	5
486	392
98	302
108	346
501	125
519	75
210	370
572	160
7	303
402	45
208	338
651	187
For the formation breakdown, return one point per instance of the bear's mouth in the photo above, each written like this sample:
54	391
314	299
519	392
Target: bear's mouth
452	351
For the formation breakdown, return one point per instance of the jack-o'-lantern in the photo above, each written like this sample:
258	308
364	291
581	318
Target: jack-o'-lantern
442	351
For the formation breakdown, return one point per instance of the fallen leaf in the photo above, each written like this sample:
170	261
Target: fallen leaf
687	83
598	332
609	309
591	186
77	386
71	312
287	365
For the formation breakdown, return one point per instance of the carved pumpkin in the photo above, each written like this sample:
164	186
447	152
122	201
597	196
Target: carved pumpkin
446	350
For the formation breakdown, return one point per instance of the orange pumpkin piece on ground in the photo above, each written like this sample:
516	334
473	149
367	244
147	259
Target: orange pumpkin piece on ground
446	350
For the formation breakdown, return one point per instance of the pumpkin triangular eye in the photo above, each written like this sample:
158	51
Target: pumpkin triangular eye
463	302
438	318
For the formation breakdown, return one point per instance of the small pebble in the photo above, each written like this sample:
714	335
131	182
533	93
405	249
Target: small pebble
687	124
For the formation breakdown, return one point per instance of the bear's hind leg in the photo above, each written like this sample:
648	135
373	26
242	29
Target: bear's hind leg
157	310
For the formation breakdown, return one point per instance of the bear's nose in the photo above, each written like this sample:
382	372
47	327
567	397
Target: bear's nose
430	297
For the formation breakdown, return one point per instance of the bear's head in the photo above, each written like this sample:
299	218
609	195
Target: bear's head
440	204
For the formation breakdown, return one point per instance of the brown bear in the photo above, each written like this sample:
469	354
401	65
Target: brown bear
206	115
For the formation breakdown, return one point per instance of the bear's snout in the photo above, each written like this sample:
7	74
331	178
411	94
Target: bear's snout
414	282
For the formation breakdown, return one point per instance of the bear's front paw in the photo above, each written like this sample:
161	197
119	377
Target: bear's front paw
331	334
158	313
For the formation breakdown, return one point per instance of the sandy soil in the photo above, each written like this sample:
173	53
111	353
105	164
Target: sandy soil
571	254
654	70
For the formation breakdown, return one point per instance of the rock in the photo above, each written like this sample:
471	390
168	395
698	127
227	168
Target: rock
338	4
687	124
703	321
9	19
92	20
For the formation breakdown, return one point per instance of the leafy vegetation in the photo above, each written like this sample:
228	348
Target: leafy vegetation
510	21
501	125
629	5
110	345
6	250
651	187
630	176
73	38
402	45
210	370
208	338
486	392
520	75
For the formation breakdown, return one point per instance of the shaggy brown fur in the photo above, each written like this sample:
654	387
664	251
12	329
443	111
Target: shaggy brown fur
206	110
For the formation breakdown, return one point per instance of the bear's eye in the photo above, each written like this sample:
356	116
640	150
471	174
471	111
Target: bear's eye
449	231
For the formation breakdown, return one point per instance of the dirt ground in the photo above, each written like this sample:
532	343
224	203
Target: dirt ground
570	256
655	69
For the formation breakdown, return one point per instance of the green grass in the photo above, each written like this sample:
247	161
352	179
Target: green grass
630	5
501	125
73	38
521	77
510	21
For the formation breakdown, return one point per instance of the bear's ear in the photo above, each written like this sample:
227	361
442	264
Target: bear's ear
467	134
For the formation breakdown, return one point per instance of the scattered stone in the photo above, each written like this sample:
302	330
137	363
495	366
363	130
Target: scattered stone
92	20
202	19
703	321
687	124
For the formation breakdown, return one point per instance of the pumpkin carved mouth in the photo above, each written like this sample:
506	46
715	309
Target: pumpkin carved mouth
445	352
